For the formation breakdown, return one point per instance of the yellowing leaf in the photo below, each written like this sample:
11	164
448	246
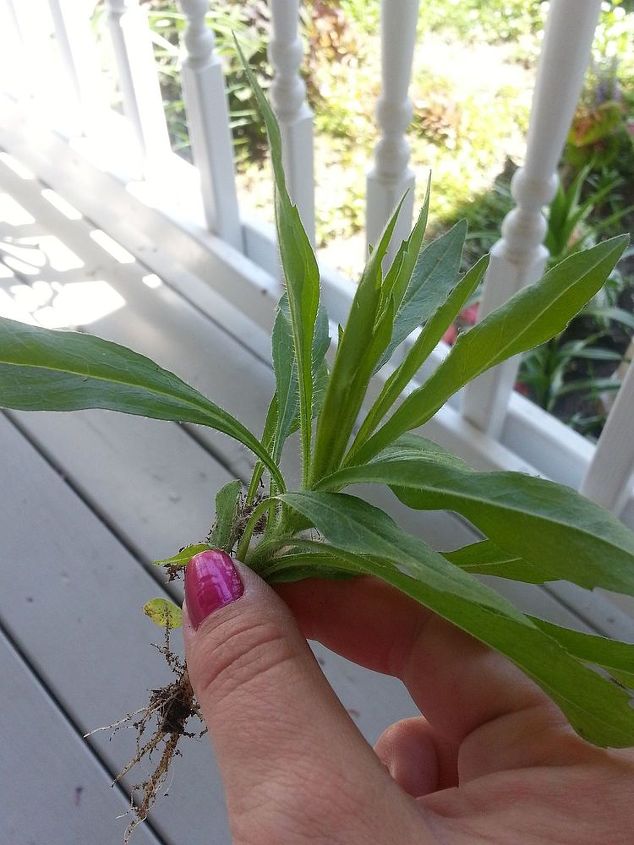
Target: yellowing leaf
163	613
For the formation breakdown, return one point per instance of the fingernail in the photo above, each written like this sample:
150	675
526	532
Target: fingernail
211	581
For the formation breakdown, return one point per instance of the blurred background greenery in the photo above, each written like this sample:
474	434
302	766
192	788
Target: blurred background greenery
472	84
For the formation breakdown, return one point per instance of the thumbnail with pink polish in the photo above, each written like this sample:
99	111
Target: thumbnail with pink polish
211	581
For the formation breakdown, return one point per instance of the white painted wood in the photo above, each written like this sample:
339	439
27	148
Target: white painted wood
53	789
608	478
519	257
208	123
30	47
597	608
15	70
138	80
391	175
77	49
288	93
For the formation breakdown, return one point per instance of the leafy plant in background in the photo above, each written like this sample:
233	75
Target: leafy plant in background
572	372
544	370
577	368
534	531
249	20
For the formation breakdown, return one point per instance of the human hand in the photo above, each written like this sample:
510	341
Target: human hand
493	761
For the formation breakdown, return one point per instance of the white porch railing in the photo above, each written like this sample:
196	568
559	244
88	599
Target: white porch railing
187	223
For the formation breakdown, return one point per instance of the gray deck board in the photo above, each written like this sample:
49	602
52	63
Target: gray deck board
51	791
70	595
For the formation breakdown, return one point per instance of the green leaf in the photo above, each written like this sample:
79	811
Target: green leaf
360	346
285	367
227	500
299	265
367	541
614	656
618	315
183	557
532	316
163	613
432	279
591	385
306	560
558	533
414	447
47	370
356	526
399	277
485	558
423	346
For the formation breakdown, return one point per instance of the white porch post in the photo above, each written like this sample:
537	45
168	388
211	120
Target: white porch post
607	480
208	121
76	46
136	69
391	175
15	64
519	257
288	93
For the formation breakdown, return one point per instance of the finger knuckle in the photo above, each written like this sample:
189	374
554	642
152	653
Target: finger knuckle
244	651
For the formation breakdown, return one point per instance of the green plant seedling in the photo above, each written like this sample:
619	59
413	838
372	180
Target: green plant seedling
535	531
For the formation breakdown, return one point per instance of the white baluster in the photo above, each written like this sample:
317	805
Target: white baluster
138	80
76	46
26	50
208	122
519	257
391	175
15	81
288	93
607	480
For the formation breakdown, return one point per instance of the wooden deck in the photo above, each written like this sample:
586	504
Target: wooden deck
88	500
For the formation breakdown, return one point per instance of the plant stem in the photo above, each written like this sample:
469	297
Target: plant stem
255	480
243	545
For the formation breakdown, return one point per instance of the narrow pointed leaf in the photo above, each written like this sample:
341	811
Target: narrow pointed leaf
614	656
367	541
301	273
532	316
342	402
422	347
399	277
50	370
432	278
183	557
285	367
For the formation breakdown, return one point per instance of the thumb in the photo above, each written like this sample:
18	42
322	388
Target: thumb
294	766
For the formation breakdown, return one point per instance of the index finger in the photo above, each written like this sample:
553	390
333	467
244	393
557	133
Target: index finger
456	681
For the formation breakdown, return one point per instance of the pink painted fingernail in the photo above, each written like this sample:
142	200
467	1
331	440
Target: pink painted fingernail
211	581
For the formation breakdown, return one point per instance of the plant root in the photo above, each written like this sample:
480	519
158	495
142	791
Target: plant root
167	714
